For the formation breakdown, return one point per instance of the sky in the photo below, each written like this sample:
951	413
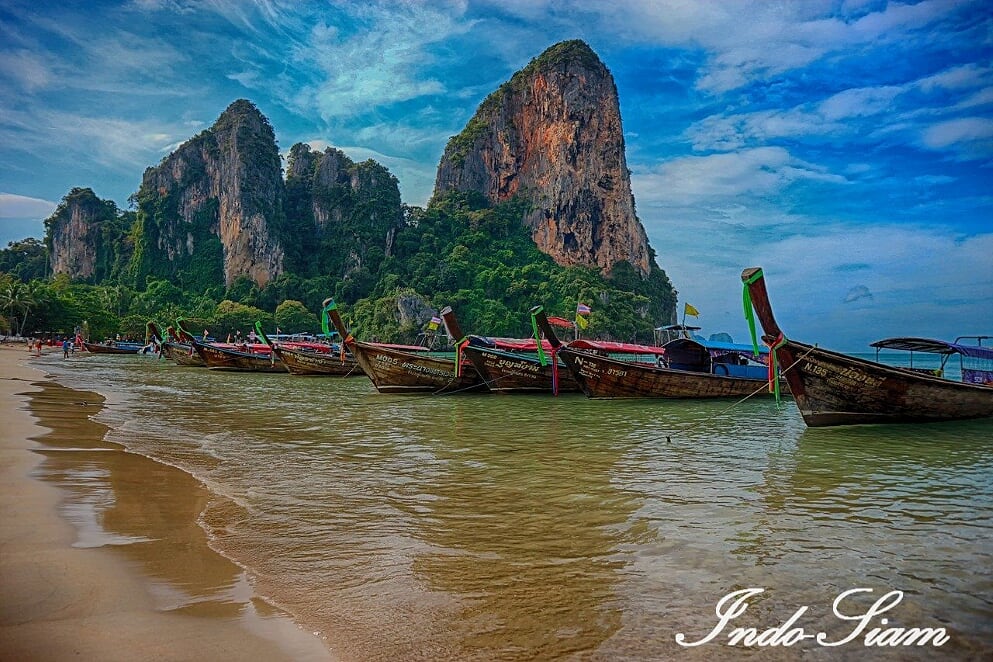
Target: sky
845	147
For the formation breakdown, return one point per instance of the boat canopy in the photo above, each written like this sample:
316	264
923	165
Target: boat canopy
678	327
616	347
690	355
510	344
934	347
716	345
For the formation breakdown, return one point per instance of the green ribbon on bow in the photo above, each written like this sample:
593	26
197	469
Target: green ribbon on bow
325	318
746	299
537	337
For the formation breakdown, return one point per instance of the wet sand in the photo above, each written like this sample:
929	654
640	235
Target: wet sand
100	553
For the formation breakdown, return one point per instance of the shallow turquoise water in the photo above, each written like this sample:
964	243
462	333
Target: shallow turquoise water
484	527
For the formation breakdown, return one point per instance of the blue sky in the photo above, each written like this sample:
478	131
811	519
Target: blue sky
846	147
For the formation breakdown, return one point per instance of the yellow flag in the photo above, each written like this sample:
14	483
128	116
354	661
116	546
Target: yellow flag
582	322
690	310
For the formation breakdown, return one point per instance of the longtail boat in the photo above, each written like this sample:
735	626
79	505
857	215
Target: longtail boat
510	365
113	347
407	368
245	358
179	346
309	362
682	368
320	360
831	388
180	353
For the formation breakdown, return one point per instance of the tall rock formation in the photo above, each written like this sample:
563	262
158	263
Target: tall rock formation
84	236
343	213
209	210
552	134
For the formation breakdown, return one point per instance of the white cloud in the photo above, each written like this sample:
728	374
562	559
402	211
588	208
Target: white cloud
749	41
970	137
377	68
857	292
858	102
923	280
959	77
112	142
29	70
22	206
722	177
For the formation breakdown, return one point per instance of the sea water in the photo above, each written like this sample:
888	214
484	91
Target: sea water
540	527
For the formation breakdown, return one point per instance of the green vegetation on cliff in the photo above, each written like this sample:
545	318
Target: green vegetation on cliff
338	216
343	231
481	261
459	252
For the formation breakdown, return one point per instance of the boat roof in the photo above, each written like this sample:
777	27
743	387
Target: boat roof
511	344
616	347
932	346
678	327
731	347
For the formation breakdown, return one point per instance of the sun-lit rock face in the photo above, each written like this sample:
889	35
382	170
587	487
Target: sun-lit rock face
74	233
224	183
552	134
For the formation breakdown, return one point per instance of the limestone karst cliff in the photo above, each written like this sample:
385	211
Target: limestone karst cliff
209	209
342	215
552	134
85	236
540	168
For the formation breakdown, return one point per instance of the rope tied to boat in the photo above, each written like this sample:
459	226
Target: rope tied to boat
773	366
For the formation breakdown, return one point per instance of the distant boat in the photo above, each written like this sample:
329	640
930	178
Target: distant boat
313	359
180	351
314	363
113	347
511	365
243	358
836	389
179	346
407	368
682	368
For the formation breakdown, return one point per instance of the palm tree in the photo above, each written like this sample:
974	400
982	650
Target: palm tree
17	298
33	296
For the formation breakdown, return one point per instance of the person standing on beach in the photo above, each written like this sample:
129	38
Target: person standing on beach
65	348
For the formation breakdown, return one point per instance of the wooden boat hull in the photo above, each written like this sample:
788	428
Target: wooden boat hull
219	358
99	348
298	362
396	371
837	389
503	372
181	354
605	377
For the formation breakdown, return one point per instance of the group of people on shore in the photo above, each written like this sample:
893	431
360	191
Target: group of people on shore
69	345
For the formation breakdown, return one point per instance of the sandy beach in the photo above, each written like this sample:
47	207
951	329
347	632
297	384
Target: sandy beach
150	588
